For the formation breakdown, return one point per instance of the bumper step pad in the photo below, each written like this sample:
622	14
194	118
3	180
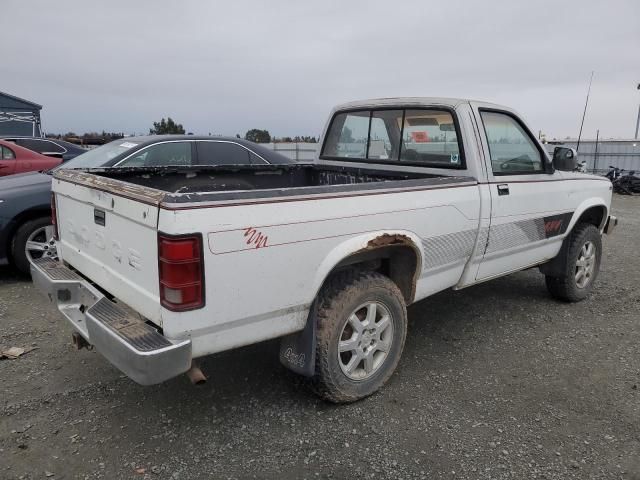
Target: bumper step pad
56	270
134	330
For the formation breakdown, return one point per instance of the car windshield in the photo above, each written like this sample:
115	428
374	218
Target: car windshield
97	157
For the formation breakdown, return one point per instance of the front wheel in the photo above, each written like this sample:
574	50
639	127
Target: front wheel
581	267
361	323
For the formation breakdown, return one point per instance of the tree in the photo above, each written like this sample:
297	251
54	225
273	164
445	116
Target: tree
258	136
297	138
167	127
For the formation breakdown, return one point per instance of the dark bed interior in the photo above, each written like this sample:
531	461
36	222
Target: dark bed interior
217	179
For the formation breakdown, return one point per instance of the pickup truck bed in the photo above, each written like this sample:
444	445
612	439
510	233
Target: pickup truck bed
175	185
255	225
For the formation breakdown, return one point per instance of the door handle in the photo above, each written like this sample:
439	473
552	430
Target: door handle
503	189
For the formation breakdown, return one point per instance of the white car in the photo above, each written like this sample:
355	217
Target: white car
409	196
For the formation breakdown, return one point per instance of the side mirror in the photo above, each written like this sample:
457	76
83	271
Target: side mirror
565	159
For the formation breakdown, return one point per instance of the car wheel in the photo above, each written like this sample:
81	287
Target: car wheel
32	240
361	323
581	267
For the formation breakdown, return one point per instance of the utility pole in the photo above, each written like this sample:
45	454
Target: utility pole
595	155
638	120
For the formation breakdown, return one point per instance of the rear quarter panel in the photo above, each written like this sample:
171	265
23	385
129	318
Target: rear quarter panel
264	263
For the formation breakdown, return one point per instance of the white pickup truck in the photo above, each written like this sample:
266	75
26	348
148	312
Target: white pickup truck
409	196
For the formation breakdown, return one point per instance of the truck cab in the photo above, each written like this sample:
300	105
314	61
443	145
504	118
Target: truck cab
525	204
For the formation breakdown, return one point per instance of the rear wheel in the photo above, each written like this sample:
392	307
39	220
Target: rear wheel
32	240
361	328
581	267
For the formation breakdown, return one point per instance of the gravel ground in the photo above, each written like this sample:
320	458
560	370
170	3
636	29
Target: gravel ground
496	381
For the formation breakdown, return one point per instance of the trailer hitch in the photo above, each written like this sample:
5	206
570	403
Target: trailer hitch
79	342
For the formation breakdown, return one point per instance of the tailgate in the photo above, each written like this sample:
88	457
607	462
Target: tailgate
111	240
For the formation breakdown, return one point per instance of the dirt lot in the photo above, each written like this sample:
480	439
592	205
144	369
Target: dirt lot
496	381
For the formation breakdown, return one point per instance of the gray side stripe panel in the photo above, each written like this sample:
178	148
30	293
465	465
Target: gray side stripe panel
509	235
448	248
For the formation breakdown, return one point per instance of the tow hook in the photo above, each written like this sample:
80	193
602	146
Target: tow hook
79	342
195	375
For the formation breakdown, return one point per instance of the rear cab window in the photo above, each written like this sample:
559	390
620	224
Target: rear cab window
348	135
426	137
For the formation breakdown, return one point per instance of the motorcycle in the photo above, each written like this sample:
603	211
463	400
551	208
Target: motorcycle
613	173
627	184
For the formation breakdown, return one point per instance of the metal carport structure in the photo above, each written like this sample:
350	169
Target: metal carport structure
19	116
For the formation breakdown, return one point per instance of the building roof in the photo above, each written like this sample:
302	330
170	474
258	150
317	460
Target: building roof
16	101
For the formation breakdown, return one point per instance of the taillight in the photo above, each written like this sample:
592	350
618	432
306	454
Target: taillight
180	266
54	216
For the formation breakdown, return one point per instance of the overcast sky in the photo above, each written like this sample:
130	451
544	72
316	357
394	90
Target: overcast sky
226	67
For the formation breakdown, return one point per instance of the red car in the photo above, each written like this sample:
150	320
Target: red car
16	159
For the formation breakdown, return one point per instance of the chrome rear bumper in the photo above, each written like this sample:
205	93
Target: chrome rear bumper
127	341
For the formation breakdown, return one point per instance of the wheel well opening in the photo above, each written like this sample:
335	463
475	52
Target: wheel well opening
594	216
394	256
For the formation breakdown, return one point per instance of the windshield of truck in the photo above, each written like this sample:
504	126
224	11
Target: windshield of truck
97	157
425	137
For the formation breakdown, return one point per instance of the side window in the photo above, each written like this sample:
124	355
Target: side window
222	153
161	154
53	147
429	137
33	145
256	160
512	150
347	137
7	153
40	146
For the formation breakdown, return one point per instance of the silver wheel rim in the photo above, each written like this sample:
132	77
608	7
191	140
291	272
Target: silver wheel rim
41	244
586	264
365	340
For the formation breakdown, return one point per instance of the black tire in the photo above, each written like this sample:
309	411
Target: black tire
338	299
19	242
566	287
